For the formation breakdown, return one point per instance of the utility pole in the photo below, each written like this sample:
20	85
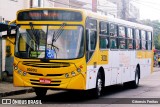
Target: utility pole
124	10
94	5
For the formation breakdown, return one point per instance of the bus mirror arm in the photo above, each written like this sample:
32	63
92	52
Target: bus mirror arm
11	25
10	40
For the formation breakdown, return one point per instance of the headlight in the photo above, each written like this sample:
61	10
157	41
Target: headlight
66	75
24	73
73	73
19	72
78	69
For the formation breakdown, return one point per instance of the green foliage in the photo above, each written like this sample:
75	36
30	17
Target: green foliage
156	31
157	42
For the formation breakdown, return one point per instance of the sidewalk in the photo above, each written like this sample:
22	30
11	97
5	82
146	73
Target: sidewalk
7	89
156	69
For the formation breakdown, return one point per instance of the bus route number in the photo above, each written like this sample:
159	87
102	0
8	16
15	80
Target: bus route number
103	57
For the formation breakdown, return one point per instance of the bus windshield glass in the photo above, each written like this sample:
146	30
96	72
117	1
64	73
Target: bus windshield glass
49	42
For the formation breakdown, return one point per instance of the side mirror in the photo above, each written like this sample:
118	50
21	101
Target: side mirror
9	30
8	51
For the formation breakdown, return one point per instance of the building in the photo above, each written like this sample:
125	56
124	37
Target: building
57	3
8	8
102	6
127	10
107	8
134	13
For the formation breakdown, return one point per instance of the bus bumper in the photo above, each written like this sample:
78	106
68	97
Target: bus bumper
76	83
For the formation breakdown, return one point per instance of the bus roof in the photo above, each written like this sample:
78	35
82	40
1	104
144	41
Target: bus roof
117	21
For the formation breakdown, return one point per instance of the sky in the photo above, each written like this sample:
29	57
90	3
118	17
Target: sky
149	9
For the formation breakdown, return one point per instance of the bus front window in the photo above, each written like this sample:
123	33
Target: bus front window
50	42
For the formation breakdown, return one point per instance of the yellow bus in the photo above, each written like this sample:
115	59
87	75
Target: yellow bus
74	49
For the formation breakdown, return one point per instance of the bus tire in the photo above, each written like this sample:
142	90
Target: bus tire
135	82
40	92
99	86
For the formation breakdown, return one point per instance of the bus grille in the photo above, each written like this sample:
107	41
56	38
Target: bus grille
37	74
46	65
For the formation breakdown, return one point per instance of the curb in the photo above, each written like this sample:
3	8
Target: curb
18	92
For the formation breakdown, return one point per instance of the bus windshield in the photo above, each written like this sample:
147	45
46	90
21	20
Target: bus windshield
49	42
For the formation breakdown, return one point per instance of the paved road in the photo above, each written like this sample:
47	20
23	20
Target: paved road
149	88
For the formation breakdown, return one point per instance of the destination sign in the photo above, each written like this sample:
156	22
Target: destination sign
49	15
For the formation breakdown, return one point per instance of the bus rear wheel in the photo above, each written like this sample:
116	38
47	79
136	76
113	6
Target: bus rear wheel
135	82
40	92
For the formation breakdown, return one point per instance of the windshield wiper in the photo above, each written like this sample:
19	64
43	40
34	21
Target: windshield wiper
56	35
35	35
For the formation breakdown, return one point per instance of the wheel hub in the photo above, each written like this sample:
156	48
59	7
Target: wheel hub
99	86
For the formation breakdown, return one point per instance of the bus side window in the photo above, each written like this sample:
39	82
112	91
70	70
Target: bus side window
129	38
137	38
91	37
143	39
104	43
122	37
113	30
103	28
103	36
113	36
149	40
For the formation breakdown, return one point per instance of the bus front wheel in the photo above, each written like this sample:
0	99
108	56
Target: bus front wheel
99	86
40	92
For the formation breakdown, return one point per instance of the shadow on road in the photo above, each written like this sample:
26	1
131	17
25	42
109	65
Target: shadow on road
77	97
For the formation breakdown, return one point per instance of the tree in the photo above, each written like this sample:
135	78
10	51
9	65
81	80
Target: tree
156	31
157	42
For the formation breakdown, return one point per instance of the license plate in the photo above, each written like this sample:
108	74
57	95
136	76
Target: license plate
44	81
